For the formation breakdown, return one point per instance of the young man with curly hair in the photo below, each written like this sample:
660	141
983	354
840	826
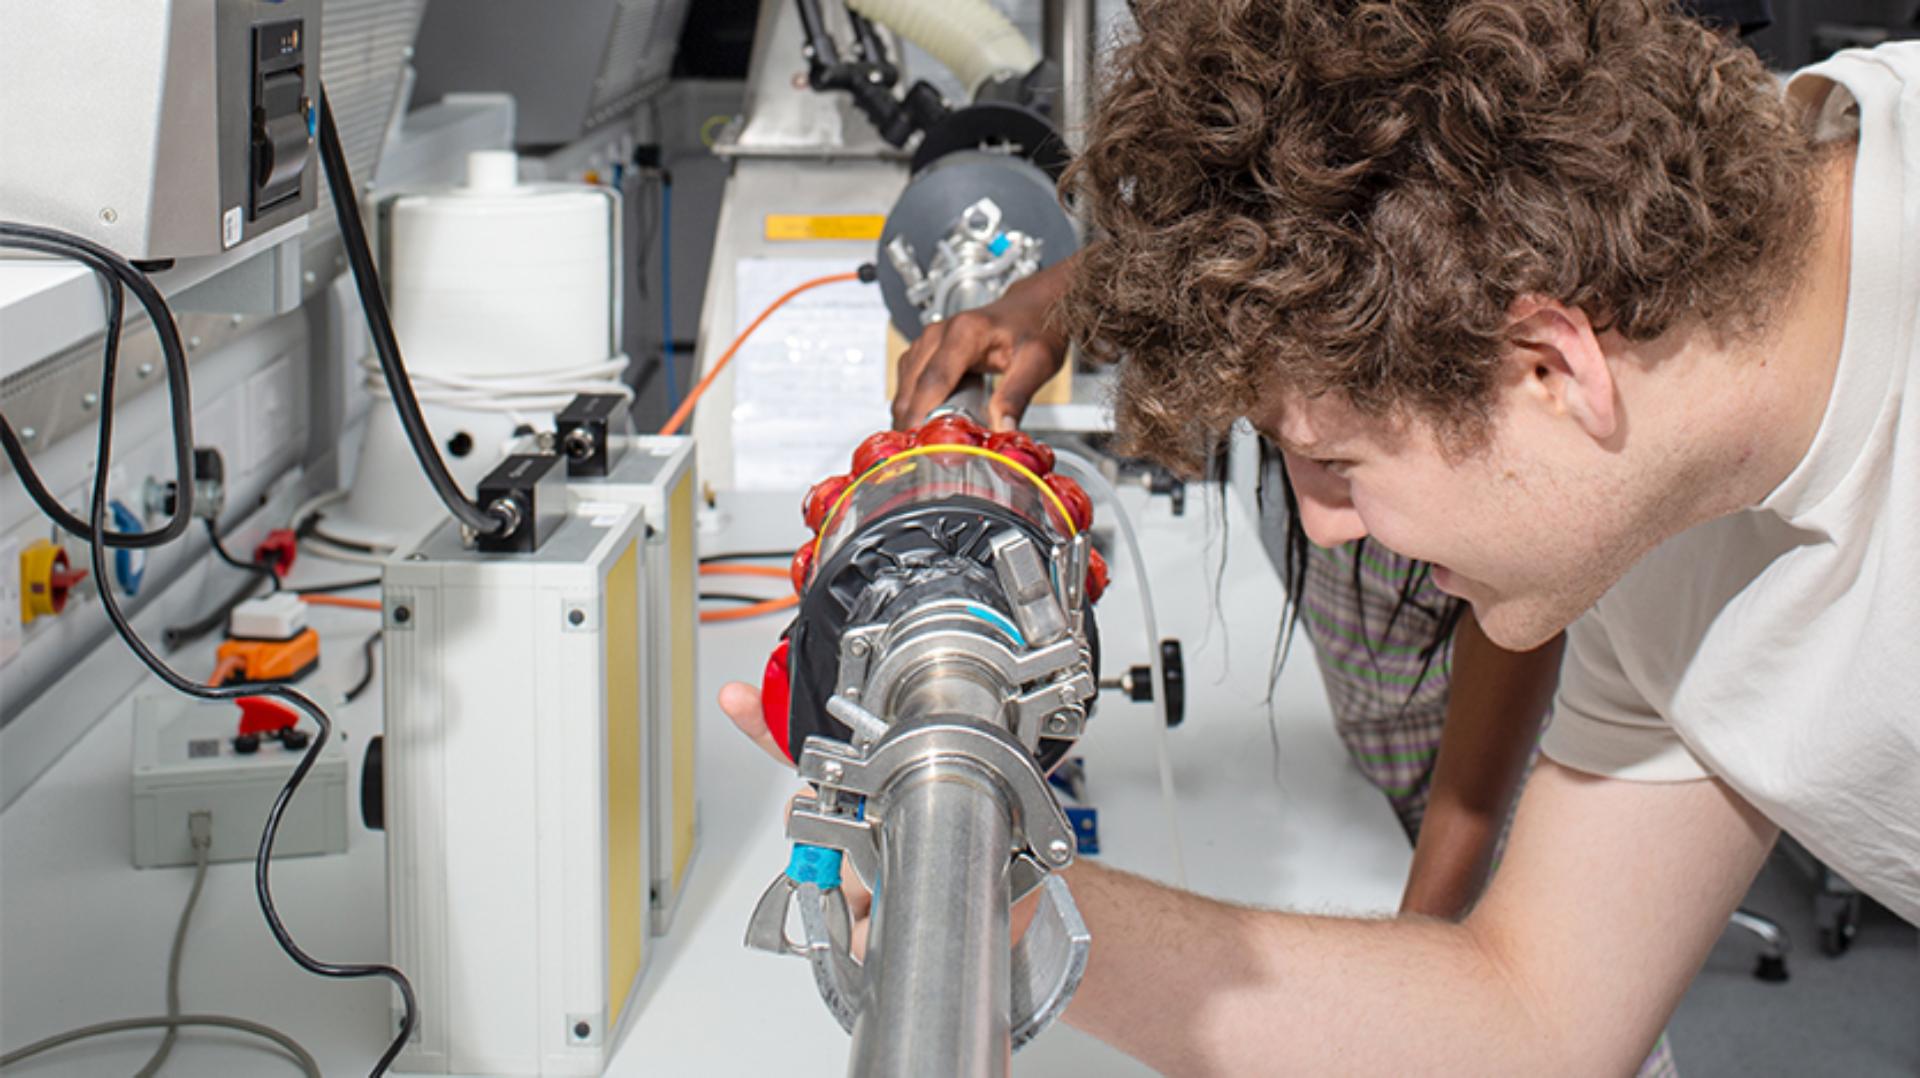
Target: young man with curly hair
1566	299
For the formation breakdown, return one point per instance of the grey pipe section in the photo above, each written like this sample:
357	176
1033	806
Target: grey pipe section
1068	32
969	398
939	957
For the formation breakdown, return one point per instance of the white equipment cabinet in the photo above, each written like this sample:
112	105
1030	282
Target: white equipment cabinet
516	808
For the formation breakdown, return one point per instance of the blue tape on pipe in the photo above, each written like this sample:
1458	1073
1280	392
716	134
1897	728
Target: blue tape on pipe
814	864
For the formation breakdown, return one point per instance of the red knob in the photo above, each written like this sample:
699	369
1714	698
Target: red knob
878	447
1079	506
821	498
801	568
1019	446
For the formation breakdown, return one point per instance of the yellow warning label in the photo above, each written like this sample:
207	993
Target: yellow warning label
824	226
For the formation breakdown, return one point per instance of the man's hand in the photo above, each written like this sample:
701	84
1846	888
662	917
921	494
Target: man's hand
741	702
1014	337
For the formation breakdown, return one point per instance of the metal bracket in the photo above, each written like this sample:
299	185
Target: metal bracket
826	941
1048	962
1039	824
1023	576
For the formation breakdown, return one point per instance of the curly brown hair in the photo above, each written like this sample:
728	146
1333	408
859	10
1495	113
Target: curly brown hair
1347	196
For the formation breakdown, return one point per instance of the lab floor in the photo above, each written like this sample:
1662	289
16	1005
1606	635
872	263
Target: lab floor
1857	1015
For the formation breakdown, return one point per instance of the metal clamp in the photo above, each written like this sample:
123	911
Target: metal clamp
1039	825
1048	962
826	940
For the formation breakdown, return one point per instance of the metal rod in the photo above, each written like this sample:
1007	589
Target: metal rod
969	398
939	958
1068	32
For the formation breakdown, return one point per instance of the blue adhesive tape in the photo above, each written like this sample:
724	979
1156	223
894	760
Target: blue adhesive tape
814	864
998	245
999	621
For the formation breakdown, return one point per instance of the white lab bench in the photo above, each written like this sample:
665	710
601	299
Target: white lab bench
84	936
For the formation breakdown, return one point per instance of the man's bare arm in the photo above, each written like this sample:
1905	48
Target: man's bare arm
1609	898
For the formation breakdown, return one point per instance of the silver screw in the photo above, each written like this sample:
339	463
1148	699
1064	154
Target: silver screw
28	434
857	648
193	342
145	370
235	319
89	400
308	277
108	215
832	771
1058	850
850	693
1058	722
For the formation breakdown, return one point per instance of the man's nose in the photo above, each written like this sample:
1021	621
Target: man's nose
1330	524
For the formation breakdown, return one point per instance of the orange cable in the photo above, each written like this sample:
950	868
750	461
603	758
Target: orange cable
341	600
224	669
681	413
751	610
778	572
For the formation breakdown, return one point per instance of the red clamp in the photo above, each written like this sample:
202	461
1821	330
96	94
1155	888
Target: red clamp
277	551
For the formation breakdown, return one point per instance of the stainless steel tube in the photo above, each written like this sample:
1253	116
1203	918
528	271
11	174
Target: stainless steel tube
1068	32
938	958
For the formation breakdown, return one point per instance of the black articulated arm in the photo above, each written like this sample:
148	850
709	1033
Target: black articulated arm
869	77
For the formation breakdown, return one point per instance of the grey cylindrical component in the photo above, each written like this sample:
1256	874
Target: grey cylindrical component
938	957
950	690
969	399
1069	29
936	197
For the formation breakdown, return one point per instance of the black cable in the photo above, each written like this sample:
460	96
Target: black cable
731	597
366	675
176	637
344	585
97	554
353	235
313	531
257	568
746	555
118	275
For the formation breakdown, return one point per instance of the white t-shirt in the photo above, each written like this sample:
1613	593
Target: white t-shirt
1778	649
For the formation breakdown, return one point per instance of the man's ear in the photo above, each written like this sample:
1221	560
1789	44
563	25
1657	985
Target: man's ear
1557	357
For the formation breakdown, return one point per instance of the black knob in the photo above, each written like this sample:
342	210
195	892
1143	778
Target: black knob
373	797
1173	671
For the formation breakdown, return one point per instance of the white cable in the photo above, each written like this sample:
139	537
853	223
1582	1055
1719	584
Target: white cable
1089	476
320	548
547	392
314	504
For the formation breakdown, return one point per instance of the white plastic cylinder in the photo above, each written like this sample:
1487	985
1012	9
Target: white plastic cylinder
492	283
495	279
970	37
